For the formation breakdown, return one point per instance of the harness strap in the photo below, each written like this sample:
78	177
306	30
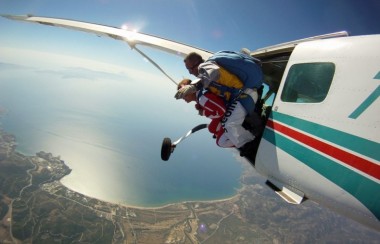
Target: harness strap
245	100
248	103
223	89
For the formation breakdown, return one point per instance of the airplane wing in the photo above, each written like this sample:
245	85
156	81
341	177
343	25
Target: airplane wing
132	38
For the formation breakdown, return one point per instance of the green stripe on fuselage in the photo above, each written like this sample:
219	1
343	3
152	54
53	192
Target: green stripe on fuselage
362	188
363	146
367	102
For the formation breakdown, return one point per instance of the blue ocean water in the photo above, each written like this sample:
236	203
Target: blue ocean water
110	135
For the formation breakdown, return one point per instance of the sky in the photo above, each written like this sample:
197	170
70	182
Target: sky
212	25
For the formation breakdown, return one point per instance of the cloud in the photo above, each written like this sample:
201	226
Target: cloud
86	73
72	67
10	66
69	72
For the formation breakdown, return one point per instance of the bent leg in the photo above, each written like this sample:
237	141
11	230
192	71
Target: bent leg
233	125
223	141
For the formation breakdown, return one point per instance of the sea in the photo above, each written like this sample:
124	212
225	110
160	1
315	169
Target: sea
110	134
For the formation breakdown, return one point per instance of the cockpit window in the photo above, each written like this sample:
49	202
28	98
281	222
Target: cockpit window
308	82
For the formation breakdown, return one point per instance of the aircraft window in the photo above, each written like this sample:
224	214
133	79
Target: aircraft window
308	82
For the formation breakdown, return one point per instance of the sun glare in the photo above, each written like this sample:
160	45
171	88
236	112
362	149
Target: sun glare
129	27
124	26
130	36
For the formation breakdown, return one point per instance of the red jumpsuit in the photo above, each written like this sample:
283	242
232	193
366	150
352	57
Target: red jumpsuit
212	106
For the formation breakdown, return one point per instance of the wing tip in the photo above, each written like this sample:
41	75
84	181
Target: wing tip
16	17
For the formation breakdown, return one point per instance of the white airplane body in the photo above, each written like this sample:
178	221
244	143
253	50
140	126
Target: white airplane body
328	150
321	141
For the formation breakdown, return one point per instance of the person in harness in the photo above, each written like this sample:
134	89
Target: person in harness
239	96
212	107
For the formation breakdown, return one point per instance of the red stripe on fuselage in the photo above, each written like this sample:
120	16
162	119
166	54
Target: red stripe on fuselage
350	159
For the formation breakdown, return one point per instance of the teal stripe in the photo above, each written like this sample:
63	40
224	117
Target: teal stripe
363	146
362	188
362	107
374	95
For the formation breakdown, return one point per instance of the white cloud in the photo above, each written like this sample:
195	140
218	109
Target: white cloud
72	66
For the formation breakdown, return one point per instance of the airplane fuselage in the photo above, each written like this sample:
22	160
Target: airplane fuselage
321	141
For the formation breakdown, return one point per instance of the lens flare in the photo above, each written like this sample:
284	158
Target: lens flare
202	228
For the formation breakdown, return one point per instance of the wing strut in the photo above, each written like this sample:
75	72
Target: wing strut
152	62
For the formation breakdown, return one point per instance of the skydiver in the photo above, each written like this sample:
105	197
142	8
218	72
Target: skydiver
212	107
232	122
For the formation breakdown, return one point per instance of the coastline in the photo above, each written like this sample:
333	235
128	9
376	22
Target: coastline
168	205
236	193
117	183
69	216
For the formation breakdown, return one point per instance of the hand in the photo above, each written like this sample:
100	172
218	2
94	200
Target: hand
200	112
199	108
185	90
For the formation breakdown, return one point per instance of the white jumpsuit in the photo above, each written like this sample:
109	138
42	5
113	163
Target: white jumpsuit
236	113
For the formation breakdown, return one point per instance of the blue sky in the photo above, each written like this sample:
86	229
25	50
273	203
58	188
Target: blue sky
215	24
